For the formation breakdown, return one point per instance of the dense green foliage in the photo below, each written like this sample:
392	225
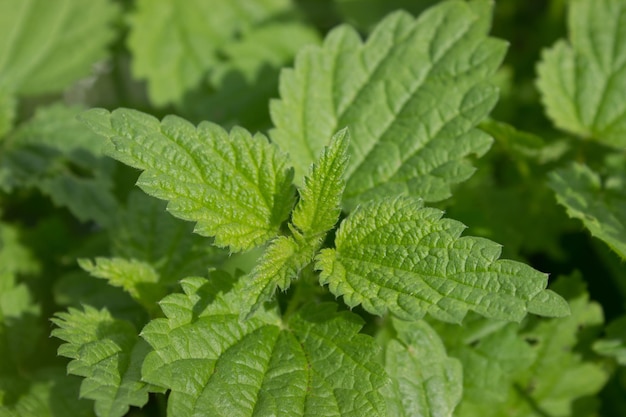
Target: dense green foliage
258	208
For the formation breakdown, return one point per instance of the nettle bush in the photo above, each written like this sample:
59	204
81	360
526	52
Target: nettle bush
297	246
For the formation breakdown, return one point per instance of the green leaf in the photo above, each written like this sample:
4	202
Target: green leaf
314	364
7	111
50	393
315	214
175	43
560	375
281	263
425	381
146	232
241	86
319	206
137	278
411	97
582	80
614	343
20	327
491	366
36	35
15	257
541	370
108	353
63	159
236	187
599	203
398	256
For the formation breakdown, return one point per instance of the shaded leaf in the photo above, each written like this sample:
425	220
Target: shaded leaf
599	203
108	353
582	79
35	36
425	381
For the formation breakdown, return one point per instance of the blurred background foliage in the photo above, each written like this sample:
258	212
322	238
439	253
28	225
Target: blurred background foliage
61	199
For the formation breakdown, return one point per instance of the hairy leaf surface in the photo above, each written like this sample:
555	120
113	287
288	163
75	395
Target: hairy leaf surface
425	381
582	81
109	354
313	364
35	36
236	187
396	255
315	214
600	204
411	96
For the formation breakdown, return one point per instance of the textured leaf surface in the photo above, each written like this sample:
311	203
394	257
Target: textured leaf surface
35	36
236	187
582	81
315	364
109	354
319	206
425	381
411	97
315	214
600	204
62	158
175	43
281	263
398	256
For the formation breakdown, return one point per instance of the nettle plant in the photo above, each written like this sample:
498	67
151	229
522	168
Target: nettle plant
402	110
319	274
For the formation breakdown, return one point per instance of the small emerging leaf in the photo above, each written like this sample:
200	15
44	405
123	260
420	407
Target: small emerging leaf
397	255
235	186
320	197
315	214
